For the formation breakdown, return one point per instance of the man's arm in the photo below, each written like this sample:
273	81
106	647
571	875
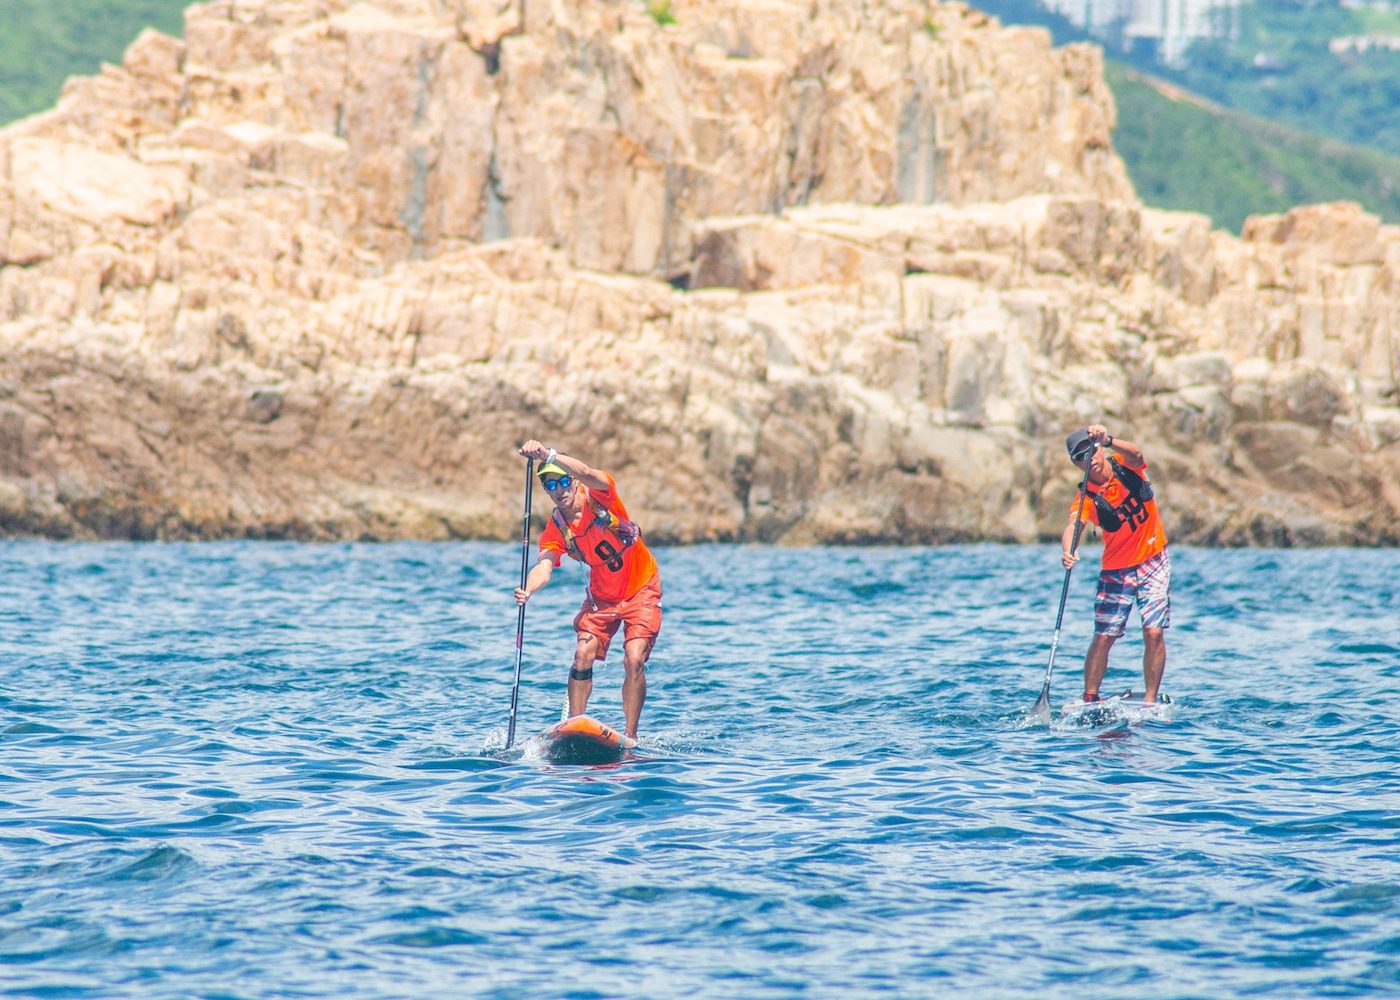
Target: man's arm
536	579
1068	558
580	470
1131	454
1087	523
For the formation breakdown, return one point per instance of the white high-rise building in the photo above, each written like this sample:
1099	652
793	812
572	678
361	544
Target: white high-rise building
1172	25
1168	27
1098	17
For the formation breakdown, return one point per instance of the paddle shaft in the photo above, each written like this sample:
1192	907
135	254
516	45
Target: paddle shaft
1043	702
520	620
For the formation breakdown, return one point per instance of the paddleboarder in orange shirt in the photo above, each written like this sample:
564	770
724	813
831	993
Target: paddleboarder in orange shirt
1135	567
590	524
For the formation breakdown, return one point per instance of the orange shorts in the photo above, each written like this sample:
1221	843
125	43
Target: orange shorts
641	613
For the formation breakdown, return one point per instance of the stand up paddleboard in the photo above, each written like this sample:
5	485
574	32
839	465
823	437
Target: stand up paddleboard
1125	707
582	740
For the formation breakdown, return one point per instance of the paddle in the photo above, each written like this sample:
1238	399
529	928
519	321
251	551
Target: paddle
1042	704
520	622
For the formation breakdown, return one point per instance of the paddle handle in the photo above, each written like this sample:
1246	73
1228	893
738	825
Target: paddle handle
520	618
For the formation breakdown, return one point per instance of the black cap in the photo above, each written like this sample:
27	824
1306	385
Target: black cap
1079	445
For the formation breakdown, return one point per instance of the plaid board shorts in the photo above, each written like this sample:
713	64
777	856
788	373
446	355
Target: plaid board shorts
1149	583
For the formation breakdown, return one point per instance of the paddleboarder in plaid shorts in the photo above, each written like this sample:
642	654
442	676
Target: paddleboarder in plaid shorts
1136	568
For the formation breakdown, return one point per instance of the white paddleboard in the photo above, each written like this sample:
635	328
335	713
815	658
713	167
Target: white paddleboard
1126	707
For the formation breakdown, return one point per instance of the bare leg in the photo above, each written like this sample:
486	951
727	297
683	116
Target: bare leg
579	690
634	683
1154	661
1096	662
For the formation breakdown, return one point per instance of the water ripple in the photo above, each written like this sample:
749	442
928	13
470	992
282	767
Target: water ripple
254	770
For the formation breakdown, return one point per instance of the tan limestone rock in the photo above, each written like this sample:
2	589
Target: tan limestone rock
793	271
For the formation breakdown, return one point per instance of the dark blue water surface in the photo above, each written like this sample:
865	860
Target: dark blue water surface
267	770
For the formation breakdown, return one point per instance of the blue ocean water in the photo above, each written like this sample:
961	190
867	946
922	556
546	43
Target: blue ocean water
276	770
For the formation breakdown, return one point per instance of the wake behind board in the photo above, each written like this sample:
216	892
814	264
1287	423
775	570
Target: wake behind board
1115	709
582	740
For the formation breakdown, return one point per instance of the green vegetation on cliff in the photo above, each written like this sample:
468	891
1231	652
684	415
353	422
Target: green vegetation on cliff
43	42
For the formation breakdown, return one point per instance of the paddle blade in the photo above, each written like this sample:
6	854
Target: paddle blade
1041	709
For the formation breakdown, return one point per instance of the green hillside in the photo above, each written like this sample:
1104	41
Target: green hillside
1281	65
43	42
1189	154
1184	154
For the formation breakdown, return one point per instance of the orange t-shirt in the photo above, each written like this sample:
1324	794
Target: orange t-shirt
616	570
1140	538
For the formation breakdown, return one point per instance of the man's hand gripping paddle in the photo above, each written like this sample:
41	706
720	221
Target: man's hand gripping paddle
520	622
1042	704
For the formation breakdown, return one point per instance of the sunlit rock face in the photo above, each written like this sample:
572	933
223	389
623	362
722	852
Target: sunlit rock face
803	272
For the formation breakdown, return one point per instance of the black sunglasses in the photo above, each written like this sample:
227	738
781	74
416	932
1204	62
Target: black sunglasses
558	483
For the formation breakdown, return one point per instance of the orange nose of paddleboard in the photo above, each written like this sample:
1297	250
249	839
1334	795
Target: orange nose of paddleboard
583	740
586	726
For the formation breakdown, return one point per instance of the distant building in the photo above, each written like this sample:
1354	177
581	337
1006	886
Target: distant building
1160	29
1363	43
1174	24
1101	18
1385	5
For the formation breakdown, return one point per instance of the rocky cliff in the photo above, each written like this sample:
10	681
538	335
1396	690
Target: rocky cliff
801	271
